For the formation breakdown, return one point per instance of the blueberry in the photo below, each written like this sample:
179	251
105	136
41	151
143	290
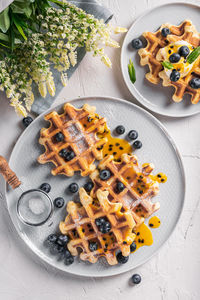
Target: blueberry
45	187
89	186
67	253
122	259
27	121
136	278
120	129
100	221
133	135
174	58
195	83
184	51
137	144
120	187
165	31
62	240
56	248
59	137
175	75
59	202
105	227
104	174
63	153
73	187
69	260
52	238
137	43
93	246
66	154
133	247
69	155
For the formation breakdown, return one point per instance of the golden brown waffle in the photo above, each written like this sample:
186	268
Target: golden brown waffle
155	41
81	227
78	137
139	187
182	86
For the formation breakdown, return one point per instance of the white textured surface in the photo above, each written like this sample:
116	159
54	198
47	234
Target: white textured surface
4	4
174	272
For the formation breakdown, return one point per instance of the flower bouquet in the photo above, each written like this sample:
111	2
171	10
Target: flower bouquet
37	35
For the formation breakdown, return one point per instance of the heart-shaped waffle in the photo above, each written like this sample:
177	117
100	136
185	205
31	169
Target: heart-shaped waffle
79	128
80	225
139	187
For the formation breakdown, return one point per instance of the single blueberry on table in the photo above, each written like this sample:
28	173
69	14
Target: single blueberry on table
136	278
45	187
27	121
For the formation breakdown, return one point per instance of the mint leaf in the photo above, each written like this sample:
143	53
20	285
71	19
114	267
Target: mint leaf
167	65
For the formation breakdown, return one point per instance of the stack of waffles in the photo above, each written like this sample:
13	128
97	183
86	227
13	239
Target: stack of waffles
122	212
186	33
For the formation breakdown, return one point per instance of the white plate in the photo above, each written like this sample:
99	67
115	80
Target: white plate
156	97
158	148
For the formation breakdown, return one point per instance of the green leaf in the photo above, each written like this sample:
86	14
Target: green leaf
193	55
19	28
167	65
131	71
4	45
21	8
4	37
4	20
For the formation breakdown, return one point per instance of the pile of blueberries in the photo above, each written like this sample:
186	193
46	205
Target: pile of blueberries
184	51
58	246
132	135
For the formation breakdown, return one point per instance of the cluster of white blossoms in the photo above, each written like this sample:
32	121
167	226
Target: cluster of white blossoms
62	32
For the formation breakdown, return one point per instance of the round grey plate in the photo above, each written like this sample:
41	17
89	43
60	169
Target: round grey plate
156	97
158	148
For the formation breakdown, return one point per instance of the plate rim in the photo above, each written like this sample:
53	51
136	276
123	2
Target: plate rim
136	94
37	253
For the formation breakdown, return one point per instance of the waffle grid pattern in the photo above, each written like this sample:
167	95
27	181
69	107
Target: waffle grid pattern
82	141
80	226
134	197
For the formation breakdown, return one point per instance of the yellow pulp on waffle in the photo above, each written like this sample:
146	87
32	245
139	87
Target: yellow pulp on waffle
154	222
114	146
182	66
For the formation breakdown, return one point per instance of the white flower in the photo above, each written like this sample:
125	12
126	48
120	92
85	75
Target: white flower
120	30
